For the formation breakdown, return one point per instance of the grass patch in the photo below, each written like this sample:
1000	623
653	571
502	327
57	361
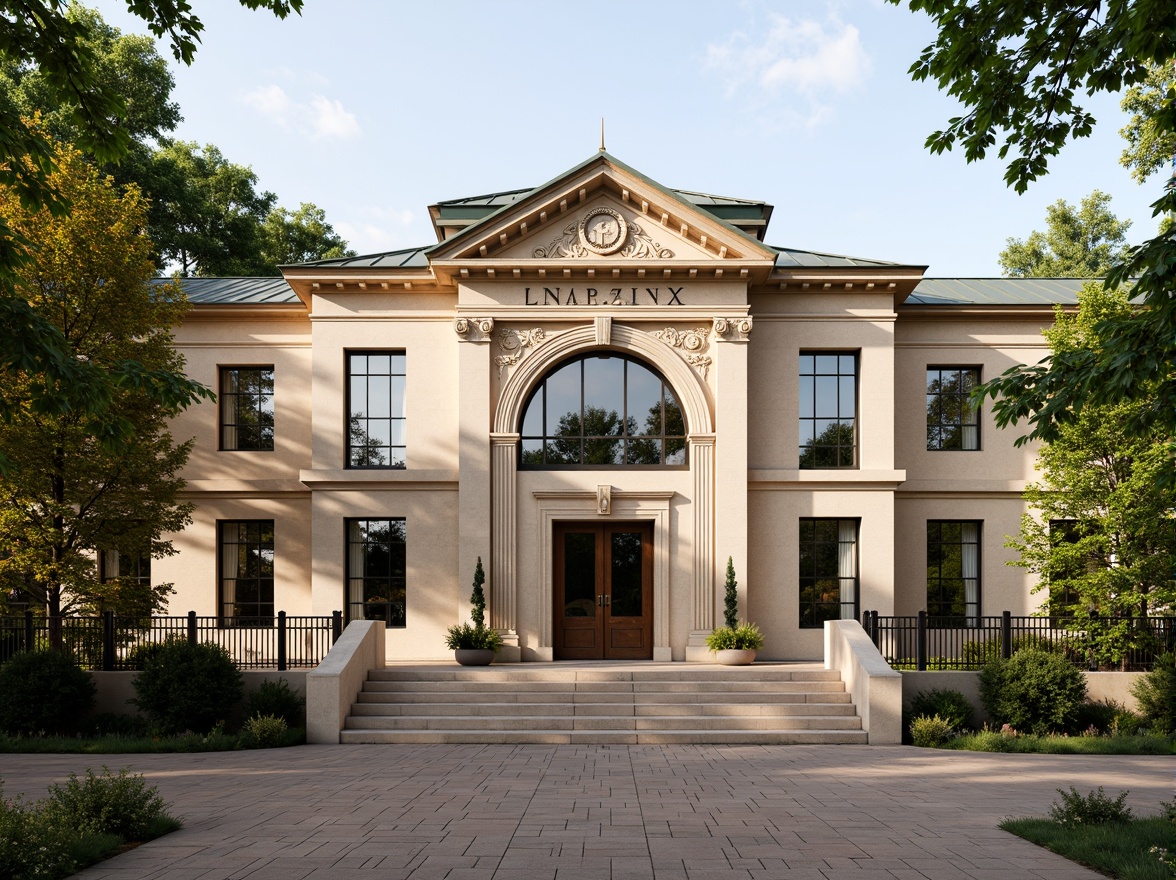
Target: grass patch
125	744
1120	849
995	741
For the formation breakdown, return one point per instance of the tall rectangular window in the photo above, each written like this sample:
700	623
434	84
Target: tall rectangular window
828	571
376	570
953	572
953	422
246	552
247	408
1067	562
130	568
375	422
828	410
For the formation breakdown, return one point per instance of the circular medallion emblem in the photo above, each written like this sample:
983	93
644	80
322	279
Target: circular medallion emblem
603	231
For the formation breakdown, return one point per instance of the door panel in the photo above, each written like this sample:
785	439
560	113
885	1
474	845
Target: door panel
603	591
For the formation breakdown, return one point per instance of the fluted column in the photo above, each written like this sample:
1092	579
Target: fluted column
504	510
702	616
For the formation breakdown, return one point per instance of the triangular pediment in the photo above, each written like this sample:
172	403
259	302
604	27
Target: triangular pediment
601	211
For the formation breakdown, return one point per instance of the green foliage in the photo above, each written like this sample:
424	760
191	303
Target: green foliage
187	687
930	731
478	597
1028	744
298	237
1117	850
264	731
465	637
1081	243
950	705
731	597
119	804
744	637
1033	690
1156	693
1150	147
277	698
1094	808
32	845
43	692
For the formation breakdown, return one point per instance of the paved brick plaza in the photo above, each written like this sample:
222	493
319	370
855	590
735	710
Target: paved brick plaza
589	812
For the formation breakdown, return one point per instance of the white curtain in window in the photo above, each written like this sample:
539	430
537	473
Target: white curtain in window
847	566
970	570
970	436
230	568
355	566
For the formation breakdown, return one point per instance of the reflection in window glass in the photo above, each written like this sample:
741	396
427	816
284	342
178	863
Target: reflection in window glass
953	421
602	411
828	571
247	408
376	570
953	573
828	410
375	423
246	549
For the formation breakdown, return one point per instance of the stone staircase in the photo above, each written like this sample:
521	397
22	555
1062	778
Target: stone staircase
633	703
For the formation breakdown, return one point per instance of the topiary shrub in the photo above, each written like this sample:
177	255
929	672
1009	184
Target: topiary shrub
1156	693
1033	690
952	706
930	731
44	692
278	699
187	687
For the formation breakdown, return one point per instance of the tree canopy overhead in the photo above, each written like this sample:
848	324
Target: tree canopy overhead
1020	68
1081	242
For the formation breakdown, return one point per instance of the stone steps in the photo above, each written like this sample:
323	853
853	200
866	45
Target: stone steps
636	703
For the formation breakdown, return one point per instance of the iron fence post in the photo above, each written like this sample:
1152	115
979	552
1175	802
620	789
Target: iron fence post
191	627
336	626
108	641
28	632
1006	634
281	641
921	643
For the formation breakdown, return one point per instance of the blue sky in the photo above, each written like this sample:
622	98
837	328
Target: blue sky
374	110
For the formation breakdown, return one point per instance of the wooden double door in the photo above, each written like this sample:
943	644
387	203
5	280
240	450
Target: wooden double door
603	582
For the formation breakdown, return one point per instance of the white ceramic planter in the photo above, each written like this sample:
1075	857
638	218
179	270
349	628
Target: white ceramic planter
478	656
735	656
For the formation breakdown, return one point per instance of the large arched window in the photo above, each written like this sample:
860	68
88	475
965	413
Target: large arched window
602	409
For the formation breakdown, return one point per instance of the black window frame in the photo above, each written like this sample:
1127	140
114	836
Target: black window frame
812	448
935	610
224	424
259	617
349	428
393	609
938	427
813	614
664	439
141	566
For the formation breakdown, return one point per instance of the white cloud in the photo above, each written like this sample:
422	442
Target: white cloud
318	117
803	57
386	233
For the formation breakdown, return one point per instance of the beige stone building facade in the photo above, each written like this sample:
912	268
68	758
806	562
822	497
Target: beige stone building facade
603	388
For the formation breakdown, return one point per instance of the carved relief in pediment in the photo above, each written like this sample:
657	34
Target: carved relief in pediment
603	232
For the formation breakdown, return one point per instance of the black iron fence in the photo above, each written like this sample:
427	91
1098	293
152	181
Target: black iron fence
112	643
921	642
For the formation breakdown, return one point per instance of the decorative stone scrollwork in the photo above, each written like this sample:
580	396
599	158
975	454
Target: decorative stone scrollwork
691	343
517	342
604	500
474	329
603	232
733	329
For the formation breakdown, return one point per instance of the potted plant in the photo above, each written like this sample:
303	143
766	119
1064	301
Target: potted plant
736	643
474	644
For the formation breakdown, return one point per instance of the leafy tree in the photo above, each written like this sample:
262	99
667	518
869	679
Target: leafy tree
41	34
833	447
1099	537
1077	243
299	237
89	277
1149	147
1018	67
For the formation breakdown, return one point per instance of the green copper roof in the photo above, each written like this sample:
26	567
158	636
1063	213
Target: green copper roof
792	258
235	291
996	291
409	258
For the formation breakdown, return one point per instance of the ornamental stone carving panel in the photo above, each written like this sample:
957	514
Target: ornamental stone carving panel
517	343
691	344
732	329
473	329
603	232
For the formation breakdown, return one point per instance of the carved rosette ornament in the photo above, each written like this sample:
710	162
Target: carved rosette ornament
517	343
474	329
732	329
691	344
603	232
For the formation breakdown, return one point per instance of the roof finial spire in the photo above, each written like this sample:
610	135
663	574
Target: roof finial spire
602	134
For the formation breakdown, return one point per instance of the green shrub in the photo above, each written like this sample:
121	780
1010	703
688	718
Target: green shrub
1156	693
277	698
138	656
469	637
44	692
264	731
33	846
744	637
952	706
1093	809
122	805
929	731
1033	690
187	687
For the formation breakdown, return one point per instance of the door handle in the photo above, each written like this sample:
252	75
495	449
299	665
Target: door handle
600	600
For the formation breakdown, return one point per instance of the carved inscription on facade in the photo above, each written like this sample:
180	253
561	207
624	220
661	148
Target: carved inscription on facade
607	296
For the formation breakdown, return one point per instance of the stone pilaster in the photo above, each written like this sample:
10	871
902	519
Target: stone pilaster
702	618
504	516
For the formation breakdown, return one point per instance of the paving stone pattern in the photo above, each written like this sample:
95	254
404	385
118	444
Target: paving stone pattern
499	812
